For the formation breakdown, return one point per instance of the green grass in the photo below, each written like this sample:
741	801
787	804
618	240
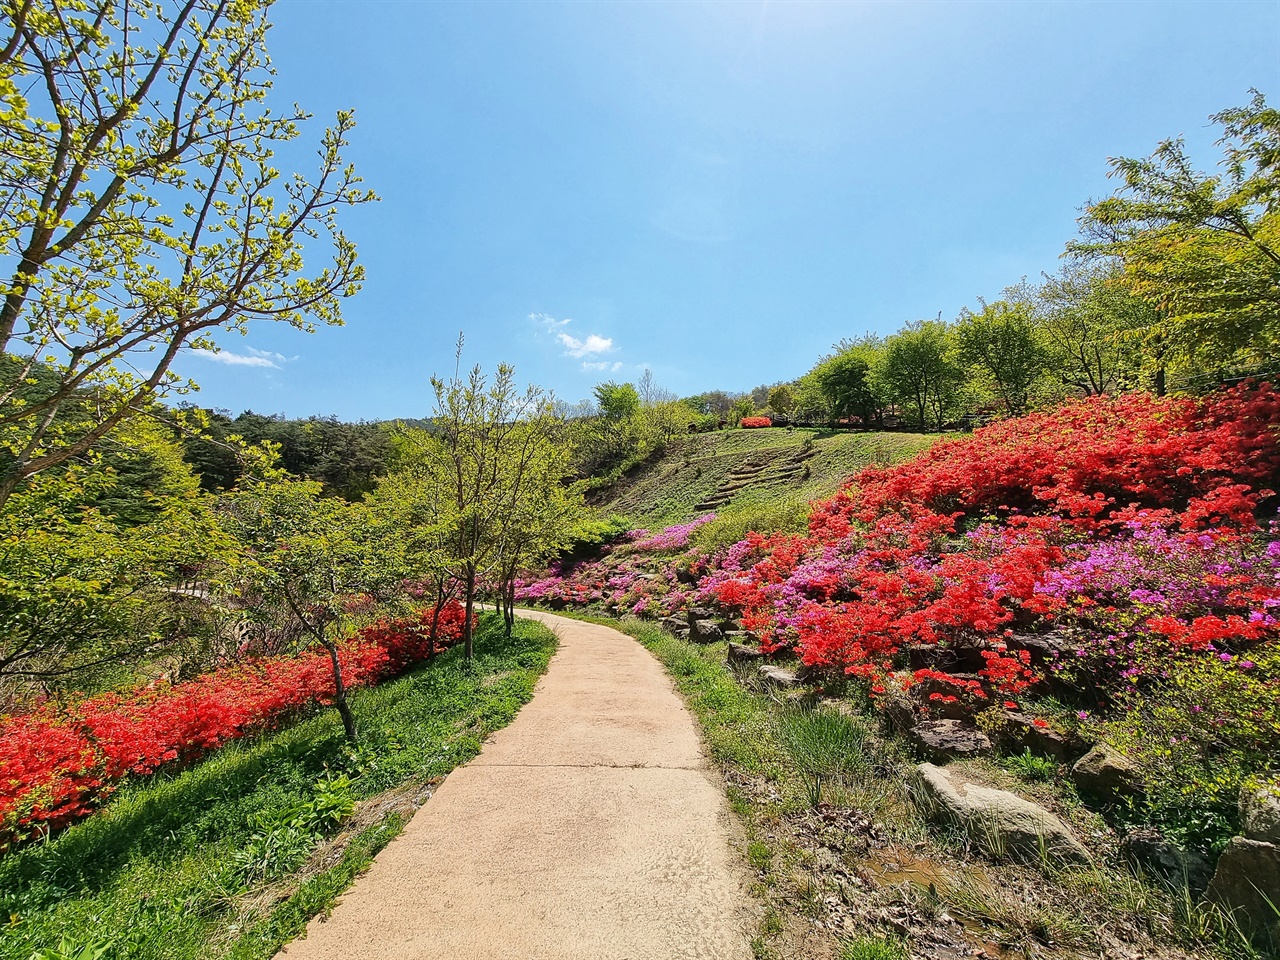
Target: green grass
154	874
670	489
873	948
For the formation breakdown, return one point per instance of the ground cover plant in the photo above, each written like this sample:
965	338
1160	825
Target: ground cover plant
1116	552
220	859
60	761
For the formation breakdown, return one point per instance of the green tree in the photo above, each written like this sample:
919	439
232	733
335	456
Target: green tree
482	454
1092	326
1204	249
618	401
311	555
143	210
782	400
846	383
917	371
104	564
1000	341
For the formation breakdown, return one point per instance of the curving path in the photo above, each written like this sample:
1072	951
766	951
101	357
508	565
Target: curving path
591	828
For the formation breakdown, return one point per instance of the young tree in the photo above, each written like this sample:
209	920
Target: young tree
312	555
485	442
142	209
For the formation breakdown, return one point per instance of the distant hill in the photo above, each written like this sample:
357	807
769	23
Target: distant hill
731	469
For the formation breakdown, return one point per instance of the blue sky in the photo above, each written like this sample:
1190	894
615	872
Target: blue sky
716	191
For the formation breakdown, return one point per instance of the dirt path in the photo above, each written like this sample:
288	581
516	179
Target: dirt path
589	828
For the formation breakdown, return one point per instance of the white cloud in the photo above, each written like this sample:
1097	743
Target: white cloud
592	345
573	347
256	358
548	321
269	355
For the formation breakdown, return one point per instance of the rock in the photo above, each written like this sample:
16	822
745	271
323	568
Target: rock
700	613
964	660
1044	648
1150	855
1260	812
705	631
1020	732
943	740
777	676
741	653
1106	773
1247	884
673	624
998	821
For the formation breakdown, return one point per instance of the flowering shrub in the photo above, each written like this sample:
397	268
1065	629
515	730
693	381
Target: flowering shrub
756	422
55	764
1117	545
1123	528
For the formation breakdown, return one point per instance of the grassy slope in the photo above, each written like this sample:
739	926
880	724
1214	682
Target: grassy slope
694	468
152	875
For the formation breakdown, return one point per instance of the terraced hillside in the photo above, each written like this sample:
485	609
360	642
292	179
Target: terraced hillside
742	468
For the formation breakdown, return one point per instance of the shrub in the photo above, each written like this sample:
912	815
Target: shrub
57	763
750	422
1198	735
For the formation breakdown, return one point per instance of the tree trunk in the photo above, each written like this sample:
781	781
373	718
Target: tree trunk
435	625
508	594
468	623
340	693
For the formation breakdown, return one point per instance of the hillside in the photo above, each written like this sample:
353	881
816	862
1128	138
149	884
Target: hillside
732	469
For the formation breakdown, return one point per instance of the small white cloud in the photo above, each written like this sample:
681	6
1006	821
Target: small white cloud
255	358
548	321
601	365
573	347
269	355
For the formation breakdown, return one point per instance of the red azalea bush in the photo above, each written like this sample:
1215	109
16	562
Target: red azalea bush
1115	549
1132	519
55	764
756	422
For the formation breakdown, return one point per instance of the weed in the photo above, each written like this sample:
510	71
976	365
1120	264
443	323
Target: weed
825	745
1030	767
873	948
759	856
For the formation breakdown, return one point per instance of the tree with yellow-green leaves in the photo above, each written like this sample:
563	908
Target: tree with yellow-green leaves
140	210
1202	249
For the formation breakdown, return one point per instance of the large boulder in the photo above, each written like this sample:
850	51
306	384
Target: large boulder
943	740
1106	773
1247	885
1260	811
1150	855
999	822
